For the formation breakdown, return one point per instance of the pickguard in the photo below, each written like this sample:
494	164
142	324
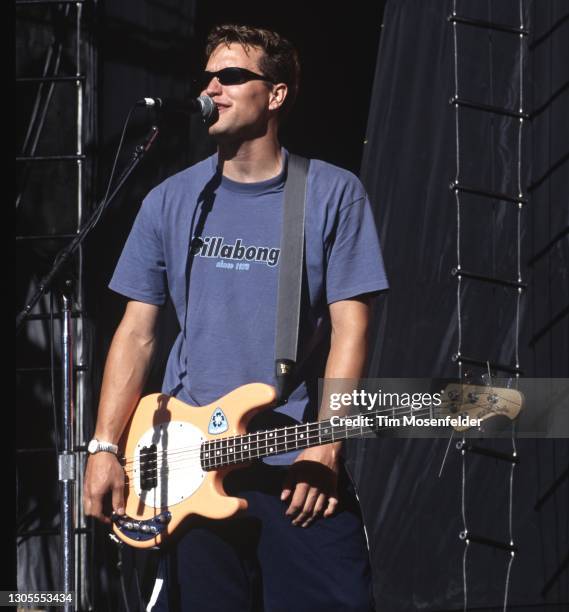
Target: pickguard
173	472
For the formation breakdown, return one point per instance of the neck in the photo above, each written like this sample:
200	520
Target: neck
222	452
251	161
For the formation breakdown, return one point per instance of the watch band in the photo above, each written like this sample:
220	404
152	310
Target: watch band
97	446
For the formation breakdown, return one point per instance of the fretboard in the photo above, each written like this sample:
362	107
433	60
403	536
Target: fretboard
220	452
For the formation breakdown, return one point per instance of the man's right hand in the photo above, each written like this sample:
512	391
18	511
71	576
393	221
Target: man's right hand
104	474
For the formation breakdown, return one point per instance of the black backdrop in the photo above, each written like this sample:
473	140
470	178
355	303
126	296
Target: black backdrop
408	163
413	517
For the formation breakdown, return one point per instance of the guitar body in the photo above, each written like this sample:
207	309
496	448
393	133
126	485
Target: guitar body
165	482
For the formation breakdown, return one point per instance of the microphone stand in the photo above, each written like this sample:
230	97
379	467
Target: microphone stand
67	457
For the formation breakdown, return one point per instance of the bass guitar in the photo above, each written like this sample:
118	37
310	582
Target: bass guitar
176	456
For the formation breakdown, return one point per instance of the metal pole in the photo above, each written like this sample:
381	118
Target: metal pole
67	456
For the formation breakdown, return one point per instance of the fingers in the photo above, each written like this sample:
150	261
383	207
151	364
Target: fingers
311	493
93	505
288	486
118	498
306	513
103	475
299	497
309	503
331	507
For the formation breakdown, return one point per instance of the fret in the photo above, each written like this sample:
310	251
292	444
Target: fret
281	440
207	452
326	433
246	447
219	452
253	443
221	455
291	436
306	436
231	450
271	442
258	445
313	434
210	454
242	443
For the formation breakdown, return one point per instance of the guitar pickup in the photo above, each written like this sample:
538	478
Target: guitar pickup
148	460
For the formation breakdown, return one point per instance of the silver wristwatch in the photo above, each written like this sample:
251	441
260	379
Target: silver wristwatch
96	446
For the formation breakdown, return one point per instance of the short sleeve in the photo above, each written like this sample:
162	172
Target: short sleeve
355	263
140	273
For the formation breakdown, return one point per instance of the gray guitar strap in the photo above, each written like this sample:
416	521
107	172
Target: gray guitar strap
290	275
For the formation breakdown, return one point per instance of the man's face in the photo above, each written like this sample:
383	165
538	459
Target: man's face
244	109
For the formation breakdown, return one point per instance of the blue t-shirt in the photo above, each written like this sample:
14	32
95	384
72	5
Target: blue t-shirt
213	246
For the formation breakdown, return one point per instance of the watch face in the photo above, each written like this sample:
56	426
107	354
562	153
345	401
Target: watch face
93	446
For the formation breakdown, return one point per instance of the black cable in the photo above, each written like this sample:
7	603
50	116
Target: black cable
103	205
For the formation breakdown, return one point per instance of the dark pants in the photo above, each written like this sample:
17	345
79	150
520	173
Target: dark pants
261	562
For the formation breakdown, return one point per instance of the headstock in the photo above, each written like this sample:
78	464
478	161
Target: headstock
480	402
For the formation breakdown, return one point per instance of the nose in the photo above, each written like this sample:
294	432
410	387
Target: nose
213	87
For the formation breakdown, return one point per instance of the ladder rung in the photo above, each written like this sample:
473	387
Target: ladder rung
488	452
488	279
489	25
494	195
497	110
489	542
484	364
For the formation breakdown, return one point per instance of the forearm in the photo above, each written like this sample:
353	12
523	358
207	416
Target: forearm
344	367
126	371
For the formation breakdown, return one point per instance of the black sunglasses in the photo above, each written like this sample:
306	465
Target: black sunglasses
230	76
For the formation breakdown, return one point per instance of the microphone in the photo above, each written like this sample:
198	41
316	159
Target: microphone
203	105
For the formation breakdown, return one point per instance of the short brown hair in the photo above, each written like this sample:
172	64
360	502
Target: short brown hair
279	61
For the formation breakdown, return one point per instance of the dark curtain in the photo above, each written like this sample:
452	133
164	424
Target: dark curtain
413	515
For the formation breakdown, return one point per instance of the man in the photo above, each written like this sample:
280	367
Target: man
188	243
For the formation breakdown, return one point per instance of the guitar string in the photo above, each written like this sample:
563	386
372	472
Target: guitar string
436	411
306	442
292	429
283	434
314	432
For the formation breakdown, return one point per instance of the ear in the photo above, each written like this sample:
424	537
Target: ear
277	96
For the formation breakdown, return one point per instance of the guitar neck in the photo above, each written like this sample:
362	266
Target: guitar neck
256	445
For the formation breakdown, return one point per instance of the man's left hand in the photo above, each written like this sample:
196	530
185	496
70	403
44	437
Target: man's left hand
311	484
